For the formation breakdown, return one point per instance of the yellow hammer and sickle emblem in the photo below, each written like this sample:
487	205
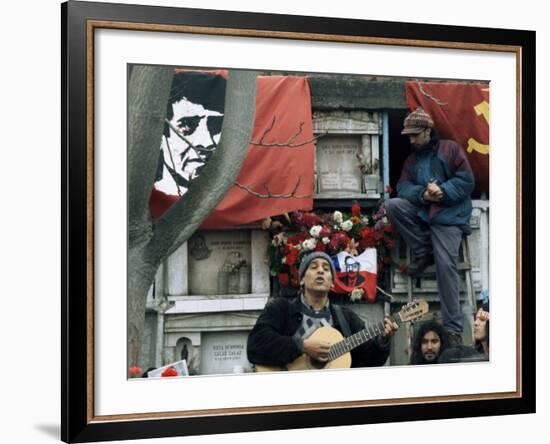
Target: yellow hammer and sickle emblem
481	109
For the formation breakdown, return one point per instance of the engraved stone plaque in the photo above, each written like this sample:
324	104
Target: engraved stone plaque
224	352
226	269
337	165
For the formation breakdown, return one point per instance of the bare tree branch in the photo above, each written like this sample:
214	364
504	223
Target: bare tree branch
289	143
173	165
270	195
148	92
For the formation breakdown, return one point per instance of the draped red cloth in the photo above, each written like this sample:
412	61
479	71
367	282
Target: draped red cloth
277	177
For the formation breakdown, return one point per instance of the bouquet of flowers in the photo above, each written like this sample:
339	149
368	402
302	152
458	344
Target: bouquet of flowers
331	233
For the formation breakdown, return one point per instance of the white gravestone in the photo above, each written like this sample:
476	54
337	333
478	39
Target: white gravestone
337	165
223	353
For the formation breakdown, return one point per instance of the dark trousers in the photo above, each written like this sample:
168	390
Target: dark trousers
443	241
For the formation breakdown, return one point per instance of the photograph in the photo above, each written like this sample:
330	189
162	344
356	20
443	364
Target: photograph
346	216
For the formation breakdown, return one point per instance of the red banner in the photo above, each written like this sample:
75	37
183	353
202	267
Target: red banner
277	174
461	113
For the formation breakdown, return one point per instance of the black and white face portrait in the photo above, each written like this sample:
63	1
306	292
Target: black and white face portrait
195	118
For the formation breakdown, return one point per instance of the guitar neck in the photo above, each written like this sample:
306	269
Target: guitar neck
347	344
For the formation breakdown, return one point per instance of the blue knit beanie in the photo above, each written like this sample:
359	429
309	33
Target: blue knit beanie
310	257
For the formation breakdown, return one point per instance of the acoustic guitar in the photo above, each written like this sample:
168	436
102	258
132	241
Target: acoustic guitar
339	355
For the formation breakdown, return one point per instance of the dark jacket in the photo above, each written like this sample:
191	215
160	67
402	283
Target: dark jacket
271	340
462	353
444	161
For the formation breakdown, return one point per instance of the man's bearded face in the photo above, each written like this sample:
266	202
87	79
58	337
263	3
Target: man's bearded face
430	347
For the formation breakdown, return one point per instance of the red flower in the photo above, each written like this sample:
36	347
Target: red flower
170	371
334	241
389	189
366	232
355	209
320	246
367	242
325	232
134	371
344	240
292	257
311	219
284	280
297	239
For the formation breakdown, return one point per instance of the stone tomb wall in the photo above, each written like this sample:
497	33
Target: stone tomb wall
206	299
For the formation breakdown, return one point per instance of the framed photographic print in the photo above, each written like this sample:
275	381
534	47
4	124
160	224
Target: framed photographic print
236	184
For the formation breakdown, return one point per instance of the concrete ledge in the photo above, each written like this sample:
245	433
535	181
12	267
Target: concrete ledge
217	304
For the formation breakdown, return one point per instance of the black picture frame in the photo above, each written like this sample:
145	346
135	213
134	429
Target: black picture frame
78	423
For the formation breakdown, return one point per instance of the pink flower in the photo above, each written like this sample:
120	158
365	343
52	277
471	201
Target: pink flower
311	219
325	232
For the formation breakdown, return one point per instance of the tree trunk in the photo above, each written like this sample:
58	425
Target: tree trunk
149	244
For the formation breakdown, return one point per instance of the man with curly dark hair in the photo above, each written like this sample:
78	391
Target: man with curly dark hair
429	342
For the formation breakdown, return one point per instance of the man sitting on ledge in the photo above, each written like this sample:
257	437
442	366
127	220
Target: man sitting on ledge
432	212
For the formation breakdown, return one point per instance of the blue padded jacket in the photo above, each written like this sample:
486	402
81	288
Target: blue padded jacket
445	162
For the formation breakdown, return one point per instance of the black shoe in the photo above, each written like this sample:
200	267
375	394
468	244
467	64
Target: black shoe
455	339
419	264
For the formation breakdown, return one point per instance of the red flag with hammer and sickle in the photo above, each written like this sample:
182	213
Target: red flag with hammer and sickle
461	113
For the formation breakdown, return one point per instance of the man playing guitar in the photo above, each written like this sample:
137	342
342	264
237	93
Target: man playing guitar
284	332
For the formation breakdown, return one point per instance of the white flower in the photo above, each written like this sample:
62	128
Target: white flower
385	220
325	240
315	230
365	220
347	225
356	294
337	217
283	260
298	247
278	239
309	244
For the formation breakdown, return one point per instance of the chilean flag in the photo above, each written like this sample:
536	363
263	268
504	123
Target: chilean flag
356	272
